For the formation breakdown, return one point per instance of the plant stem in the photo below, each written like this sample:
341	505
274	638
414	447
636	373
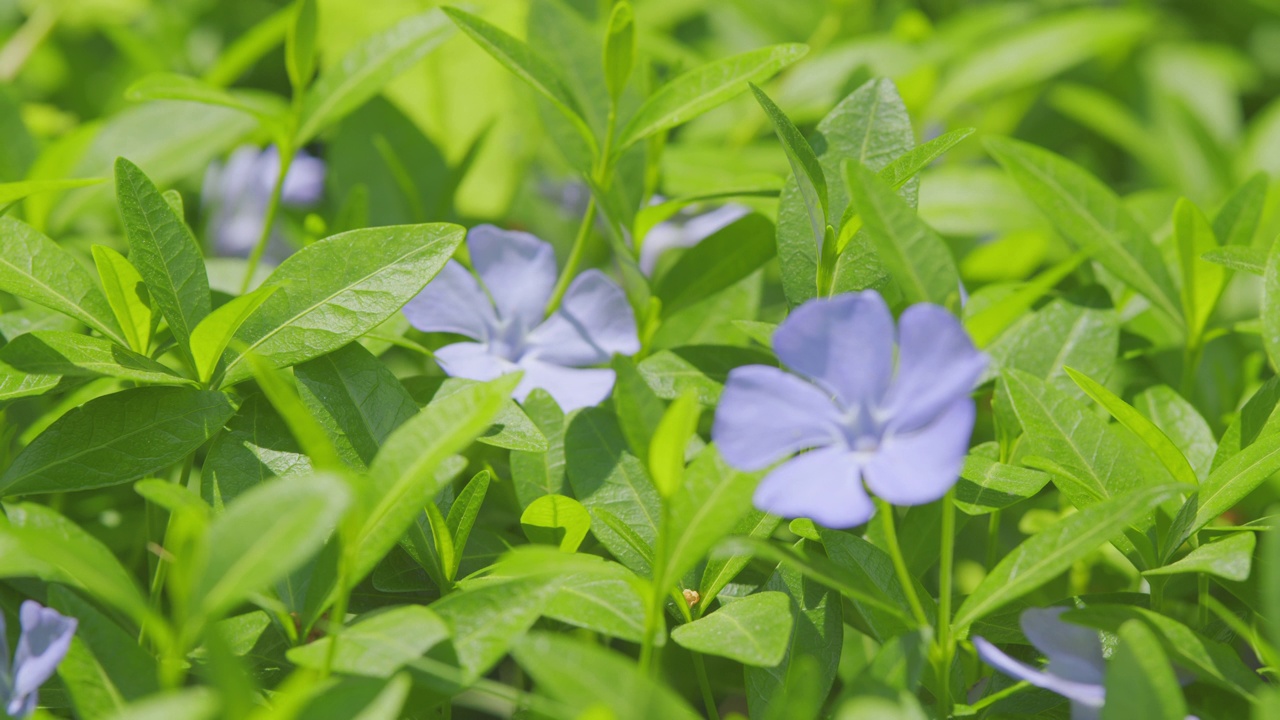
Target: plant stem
22	43
575	257
899	563
708	698
653	618
946	574
993	540
161	568
337	617
268	221
1202	599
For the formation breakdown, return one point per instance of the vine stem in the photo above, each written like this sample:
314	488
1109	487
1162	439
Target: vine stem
946	575
708	698
285	152
899	563
600	176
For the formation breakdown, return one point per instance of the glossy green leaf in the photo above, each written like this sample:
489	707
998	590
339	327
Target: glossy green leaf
104	667
462	519
619	48
670	441
987	485
363	71
1202	283
1232	480
1091	216
1140	680
1182	423
1269	582
16	384
487	618
335	290
300	45
556	520
870	569
702	368
716	263
36	268
171	86
164	251
13	192
255	445
805	167
1236	222
700	89
987	324
535	474
1230	558
711	501
722	568
754	630
95	445
267	533
211	336
1048	553
377	644
1242	258
53	352
127	294
638	408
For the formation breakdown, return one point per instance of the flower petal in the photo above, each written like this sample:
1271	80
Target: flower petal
472	361
845	344
594	322
920	467
46	636
1074	651
517	269
304	183
766	414
937	364
1086	694
821	485
572	388
453	302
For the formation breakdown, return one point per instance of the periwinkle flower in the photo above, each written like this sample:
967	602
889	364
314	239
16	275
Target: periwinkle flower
504	311
686	230
45	638
903	432
237	194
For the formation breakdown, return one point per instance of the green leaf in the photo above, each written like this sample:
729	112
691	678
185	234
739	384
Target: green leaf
267	533
1243	258
535	474
670	441
1233	480
1100	463
265	107
300	45
462	518
96	444
619	48
1237	219
754	630
356	398
15	384
366	68
710	502
639	410
702	368
913	253
805	167
104	667
606	601
1182	423
1061	333
356	698
587	678
195	703
54	352
403	477
165	253
1271	306
1168	453
65	552
127	295
1140	680
211	336
281	389
36	268
987	485
1269	582
511	429
1048	553
525	63
987	324
377	644
910	163
333	291
721	569
717	262
486	618
13	192
1230	558
871	570
606	476
870	126
698	90
556	520
255	445
1202	284
1090	215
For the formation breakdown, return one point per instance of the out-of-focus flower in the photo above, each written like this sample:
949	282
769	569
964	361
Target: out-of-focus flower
45	638
504	312
685	231
236	194
1076	669
902	431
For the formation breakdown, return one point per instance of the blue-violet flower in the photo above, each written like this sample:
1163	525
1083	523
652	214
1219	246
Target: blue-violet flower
904	432
686	231
45	638
504	312
236	194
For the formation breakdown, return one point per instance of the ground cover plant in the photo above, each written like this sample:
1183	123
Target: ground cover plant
596	359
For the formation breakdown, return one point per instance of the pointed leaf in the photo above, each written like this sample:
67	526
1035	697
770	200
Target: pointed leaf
754	630
53	352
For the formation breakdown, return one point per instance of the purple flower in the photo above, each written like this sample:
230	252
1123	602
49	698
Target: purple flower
504	312
45	638
904	432
675	234
236	194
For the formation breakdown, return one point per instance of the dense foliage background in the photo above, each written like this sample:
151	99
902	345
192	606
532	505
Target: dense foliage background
248	476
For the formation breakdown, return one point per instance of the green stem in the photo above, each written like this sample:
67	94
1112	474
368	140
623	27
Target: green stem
160	571
1190	363
993	540
337	617
885	511
22	43
1202	599
575	257
708	698
268	220
946	575
648	661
